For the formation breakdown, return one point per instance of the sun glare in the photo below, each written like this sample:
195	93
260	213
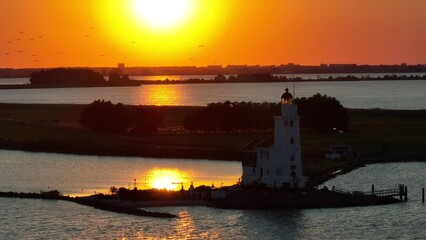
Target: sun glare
161	32
162	13
169	179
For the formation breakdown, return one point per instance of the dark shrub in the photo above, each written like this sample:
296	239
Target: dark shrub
106	117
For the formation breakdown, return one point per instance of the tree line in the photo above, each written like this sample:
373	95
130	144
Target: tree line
267	77
323	113
319	112
104	116
67	76
232	116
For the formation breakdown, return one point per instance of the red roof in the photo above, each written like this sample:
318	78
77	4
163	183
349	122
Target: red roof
251	146
265	143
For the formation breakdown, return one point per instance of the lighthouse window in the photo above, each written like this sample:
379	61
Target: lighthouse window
292	158
291	140
267	171
279	172
291	123
285	123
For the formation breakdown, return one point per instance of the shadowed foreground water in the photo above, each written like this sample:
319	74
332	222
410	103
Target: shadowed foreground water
38	219
43	219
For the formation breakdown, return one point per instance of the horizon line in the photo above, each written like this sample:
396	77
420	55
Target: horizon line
224	66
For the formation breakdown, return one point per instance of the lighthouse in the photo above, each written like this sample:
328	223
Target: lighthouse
276	161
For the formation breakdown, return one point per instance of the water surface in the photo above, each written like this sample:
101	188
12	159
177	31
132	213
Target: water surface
83	175
42	219
358	94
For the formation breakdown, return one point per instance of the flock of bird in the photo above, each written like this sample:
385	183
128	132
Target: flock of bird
31	39
22	38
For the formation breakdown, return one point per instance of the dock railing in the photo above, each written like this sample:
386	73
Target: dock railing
399	190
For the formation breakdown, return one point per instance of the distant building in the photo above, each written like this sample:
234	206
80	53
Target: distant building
121	66
214	67
276	162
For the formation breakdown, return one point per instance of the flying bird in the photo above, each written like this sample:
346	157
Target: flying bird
17	39
200	46
20	51
10	41
40	36
87	35
31	39
21	32
7	53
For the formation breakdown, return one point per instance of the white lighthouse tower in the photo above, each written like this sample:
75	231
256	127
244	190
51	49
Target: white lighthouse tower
276	162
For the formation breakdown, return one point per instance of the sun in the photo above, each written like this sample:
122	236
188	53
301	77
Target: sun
162	14
161	32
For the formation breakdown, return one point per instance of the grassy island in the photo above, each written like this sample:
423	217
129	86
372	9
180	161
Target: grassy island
378	135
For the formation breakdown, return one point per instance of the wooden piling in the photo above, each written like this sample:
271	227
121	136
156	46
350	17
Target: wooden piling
406	194
372	189
423	195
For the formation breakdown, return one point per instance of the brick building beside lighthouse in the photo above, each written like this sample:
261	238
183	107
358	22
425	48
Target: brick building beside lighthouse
276	162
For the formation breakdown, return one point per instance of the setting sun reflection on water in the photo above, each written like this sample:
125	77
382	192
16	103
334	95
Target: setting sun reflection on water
176	178
161	95
84	175
170	179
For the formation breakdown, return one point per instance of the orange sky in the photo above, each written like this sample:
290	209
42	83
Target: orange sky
105	32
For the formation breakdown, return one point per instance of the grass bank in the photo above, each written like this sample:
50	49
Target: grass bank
376	134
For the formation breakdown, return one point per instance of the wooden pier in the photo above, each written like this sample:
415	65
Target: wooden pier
400	191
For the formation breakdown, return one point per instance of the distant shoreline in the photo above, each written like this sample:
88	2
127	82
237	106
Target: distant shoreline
232	69
251	78
29	86
338	79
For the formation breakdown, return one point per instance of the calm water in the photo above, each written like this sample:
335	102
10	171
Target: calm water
82	175
361	94
38	219
12	81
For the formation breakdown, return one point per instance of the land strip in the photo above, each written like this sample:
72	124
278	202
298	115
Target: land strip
377	135
107	203
250	78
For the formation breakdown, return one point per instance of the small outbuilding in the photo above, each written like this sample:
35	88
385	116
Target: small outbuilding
339	152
